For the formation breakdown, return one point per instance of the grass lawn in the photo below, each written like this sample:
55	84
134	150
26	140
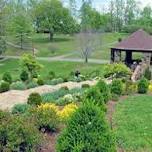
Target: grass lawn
66	44
60	68
133	123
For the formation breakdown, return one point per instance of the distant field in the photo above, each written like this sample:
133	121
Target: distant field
133	123
60	68
66	44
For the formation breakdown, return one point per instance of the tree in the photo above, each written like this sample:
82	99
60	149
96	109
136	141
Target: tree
88	41
30	64
53	17
20	23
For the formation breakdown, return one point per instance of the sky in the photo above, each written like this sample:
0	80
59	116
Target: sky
101	5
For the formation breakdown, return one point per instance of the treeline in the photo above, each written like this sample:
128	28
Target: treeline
20	18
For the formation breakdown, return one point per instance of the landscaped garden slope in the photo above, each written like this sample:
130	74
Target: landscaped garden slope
133	123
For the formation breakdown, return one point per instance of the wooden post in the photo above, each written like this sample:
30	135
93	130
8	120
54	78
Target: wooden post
112	56
128	59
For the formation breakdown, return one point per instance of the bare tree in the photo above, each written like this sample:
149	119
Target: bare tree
88	42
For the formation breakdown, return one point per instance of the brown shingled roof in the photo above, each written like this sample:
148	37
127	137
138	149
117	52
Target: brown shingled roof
138	41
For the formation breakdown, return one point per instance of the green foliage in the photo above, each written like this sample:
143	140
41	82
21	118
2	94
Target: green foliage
93	94
40	82
104	90
34	99
131	88
91	134
46	118
51	75
24	76
56	81
32	84
20	108
143	85
3	45
148	74
30	63
117	71
4	86
19	134
7	77
85	86
19	85
117	87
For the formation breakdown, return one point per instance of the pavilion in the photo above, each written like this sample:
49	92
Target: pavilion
139	41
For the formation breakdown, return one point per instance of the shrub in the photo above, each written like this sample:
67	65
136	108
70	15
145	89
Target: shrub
117	71
47	117
67	111
24	76
117	87
34	99
131	88
40	82
32	84
147	74
91	134
20	108
7	77
18	86
150	88
4	86
143	85
68	98
18	134
93	94
85	86
104	90
51	75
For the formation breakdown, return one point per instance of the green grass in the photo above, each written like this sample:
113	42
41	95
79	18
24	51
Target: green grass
133	123
60	68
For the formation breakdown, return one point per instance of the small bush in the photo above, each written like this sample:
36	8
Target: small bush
131	88
117	87
40	82
24	76
51	75
86	131
104	90
32	84
143	85
85	86
7	77
20	108
93	94
34	99
68	98
147	74
47	117
4	86
19	134
18	86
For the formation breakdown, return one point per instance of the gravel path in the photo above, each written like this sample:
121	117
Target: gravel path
10	98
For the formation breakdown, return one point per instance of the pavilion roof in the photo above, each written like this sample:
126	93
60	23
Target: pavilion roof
137	41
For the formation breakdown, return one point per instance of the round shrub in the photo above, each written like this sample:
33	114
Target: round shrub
93	94
34	99
32	84
85	86
19	134
104	90
68	98
7	77
143	85
47	117
117	87
86	131
40	82
51	75
18	86
20	108
130	87
24	76
4	86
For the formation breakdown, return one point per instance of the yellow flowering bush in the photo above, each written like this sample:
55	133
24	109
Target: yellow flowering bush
150	88
67	111
47	116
